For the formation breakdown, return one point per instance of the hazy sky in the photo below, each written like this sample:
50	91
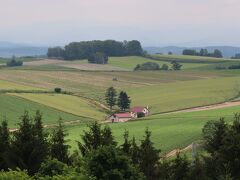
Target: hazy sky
153	22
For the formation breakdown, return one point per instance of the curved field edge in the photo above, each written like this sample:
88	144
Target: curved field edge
183	95
12	108
67	103
168	131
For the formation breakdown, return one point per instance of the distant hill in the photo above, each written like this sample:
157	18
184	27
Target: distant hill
228	51
7	49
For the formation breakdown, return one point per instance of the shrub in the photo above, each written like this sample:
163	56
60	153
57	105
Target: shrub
57	90
164	67
148	66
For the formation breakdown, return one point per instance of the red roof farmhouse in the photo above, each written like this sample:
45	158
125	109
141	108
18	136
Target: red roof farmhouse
133	114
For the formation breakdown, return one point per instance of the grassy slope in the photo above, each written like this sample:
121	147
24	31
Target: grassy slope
13	107
93	84
180	95
6	85
130	62
168	131
70	104
187	58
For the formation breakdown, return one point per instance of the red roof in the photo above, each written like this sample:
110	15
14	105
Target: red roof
123	115
137	109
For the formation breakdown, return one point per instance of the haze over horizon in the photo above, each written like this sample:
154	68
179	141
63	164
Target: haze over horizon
153	22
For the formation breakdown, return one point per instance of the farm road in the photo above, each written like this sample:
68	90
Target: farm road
208	107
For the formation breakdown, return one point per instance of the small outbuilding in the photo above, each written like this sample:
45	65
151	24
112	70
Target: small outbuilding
122	117
140	111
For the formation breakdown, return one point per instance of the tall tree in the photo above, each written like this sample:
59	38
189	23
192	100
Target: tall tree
59	148
95	137
110	97
123	101
126	146
217	53
149	157
26	144
107	163
4	143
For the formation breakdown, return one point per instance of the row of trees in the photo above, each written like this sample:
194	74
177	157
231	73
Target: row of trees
123	101
152	66
85	49
203	52
46	156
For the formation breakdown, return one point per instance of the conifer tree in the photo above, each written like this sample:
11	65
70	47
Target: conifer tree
134	151
123	101
126	146
149	156
26	152
59	148
110	97
95	138
4	143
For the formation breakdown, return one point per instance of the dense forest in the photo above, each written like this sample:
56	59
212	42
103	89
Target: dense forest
85	49
31	152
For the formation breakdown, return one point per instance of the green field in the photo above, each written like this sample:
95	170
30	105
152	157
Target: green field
130	62
187	58
181	95
66	103
6	85
198	84
13	107
168	131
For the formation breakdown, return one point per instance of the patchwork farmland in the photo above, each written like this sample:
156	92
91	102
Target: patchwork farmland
31	87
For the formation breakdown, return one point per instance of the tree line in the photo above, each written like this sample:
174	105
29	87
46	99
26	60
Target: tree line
152	66
32	152
86	49
203	52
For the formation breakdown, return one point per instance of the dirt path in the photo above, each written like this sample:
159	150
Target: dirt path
176	151
208	107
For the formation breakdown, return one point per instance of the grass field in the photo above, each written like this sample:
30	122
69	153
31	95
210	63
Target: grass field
6	85
13	107
180	95
168	131
93	84
66	103
187	58
130	62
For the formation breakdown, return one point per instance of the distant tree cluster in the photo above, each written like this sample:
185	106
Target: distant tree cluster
85	49
152	66
203	52
14	62
56	52
123	101
98	58
237	56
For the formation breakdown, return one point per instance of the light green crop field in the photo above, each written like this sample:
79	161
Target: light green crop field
94	84
6	85
66	103
13	107
181	95
168	131
187	58
130	62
